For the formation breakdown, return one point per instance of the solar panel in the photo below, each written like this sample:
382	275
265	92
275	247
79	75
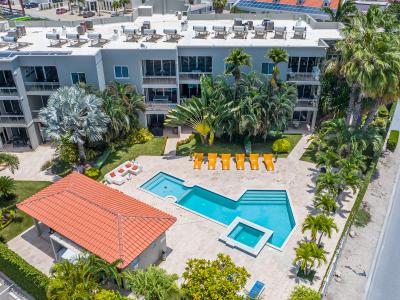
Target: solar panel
243	4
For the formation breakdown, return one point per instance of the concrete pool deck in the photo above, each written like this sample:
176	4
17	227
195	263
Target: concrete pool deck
194	236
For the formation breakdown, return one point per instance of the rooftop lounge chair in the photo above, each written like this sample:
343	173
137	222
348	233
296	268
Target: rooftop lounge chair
240	161
256	290
254	161
198	160
212	160
268	162
226	161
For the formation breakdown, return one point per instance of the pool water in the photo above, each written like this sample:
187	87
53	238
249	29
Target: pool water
246	235
267	208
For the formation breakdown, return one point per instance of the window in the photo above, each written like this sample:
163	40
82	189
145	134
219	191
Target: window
195	64
169	95
78	77
159	68
302	64
294	64
12	107
267	68
121	72
6	78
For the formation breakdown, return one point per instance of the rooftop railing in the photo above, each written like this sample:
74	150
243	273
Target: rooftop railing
41	86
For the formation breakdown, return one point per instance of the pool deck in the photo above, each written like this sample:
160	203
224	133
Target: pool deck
194	236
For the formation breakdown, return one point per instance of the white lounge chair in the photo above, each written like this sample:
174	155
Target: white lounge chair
114	178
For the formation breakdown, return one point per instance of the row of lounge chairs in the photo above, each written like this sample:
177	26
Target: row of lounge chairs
240	160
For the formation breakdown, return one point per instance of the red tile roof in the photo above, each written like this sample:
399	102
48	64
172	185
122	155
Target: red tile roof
98	218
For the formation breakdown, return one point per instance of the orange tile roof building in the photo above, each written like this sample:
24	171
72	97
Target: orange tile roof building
101	220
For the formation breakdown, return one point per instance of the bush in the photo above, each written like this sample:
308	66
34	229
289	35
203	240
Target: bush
362	217
47	165
23	274
392	140
185	141
281	146
7	186
302	292
6	217
140	136
67	151
383	112
91	154
93	173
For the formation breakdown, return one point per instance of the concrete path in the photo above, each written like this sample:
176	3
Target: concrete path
170	146
30	163
300	148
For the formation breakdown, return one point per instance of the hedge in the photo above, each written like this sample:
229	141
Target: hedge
23	274
392	140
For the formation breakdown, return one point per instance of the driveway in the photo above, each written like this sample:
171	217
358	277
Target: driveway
30	163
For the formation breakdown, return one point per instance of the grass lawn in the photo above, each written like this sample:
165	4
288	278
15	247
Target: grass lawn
117	157
24	189
233	148
309	154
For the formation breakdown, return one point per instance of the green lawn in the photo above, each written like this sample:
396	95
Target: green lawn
233	148
309	154
24	189
117	157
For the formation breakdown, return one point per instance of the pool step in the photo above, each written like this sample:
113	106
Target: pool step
264	197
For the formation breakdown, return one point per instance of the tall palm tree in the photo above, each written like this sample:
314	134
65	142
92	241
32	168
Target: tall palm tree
327	157
120	122
9	161
70	111
308	255
311	223
235	60
103	271
344	10
326	226
326	202
330	182
355	161
350	179
277	56
154	283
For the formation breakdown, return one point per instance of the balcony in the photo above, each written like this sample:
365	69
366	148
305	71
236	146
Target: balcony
41	86
302	77
307	103
192	76
8	92
159	80
160	103
12	119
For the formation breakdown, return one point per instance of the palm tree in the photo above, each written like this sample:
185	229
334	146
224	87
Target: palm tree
10	161
235	60
326	202
330	182
152	284
123	3
355	161
277	55
327	157
104	272
307	255
70	111
350	178
344	10
120	123
219	5
116	5
311	223
326	225
7	186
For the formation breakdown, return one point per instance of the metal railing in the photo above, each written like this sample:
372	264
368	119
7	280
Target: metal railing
41	86
191	75
15	119
8	91
301	77
159	105
306	103
159	79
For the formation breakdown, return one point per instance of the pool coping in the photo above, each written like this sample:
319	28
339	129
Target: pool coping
267	233
182	181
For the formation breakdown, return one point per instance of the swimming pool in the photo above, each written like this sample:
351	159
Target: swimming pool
267	208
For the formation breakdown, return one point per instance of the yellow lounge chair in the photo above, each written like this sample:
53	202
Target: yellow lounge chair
212	160
198	160
226	161
254	161
240	161
268	162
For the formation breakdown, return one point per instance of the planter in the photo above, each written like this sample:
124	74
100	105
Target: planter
218	10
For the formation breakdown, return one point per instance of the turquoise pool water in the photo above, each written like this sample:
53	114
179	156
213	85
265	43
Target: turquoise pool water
267	208
246	235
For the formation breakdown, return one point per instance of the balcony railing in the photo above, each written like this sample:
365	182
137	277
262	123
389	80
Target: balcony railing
35	114
8	91
191	75
302	77
159	79
41	86
159	105
306	103
14	119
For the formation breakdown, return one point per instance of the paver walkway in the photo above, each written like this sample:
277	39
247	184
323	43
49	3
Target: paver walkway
30	163
300	148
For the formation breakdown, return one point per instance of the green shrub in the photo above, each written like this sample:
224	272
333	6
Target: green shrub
23	274
47	165
302	292
91	154
392	140
7	186
6	217
362	217
185	141
140	136
381	124
93	173
383	112
281	146
67	151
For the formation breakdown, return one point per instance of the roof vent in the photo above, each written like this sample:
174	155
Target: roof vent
300	2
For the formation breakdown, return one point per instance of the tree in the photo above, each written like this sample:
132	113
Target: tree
212	280
277	56
326	202
330	182
120	123
302	292
153	284
123	3
234	61
327	157
344	10
351	178
219	5
326	226
116	5
7	186
72	112
109	295
308	254
10	161
311	223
